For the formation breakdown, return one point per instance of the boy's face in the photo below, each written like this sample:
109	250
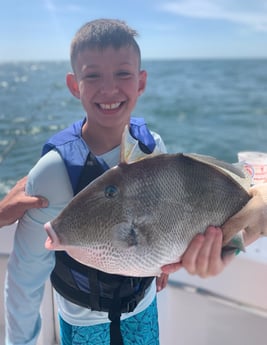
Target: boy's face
108	83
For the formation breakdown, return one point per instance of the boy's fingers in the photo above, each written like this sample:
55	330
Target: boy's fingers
211	263
171	268
191	254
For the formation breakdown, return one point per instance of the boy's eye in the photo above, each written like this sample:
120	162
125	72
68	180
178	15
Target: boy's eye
92	76
123	74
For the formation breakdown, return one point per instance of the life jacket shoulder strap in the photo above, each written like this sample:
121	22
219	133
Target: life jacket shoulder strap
69	134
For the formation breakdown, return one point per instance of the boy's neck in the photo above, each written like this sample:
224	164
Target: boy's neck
102	140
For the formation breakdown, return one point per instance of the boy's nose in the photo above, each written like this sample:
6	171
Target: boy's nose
109	86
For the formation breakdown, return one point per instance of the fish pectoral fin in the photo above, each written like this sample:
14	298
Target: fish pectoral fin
127	235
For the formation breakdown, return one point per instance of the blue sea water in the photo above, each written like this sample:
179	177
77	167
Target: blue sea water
214	107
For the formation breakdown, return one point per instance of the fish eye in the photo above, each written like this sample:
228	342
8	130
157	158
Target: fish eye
111	191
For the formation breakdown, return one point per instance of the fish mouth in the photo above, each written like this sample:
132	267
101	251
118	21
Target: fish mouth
52	241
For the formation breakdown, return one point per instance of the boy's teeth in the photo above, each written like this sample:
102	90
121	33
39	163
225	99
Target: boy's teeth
109	106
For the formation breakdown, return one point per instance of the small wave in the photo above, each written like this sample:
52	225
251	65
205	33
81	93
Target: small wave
4	84
22	79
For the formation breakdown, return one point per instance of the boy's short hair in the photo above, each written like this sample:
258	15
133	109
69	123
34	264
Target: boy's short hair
102	33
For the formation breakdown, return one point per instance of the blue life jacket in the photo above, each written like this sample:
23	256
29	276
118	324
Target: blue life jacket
80	284
75	152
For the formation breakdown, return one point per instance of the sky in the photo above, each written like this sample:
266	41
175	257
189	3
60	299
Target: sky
42	29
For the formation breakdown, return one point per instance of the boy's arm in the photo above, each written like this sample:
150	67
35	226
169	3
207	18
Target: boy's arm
28	268
30	264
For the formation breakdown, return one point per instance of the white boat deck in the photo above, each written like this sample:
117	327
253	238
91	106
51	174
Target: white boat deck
228	309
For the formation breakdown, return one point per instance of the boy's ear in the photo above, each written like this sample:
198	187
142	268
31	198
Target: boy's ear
73	85
142	82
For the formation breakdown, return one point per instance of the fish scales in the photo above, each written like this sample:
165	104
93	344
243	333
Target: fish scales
137	217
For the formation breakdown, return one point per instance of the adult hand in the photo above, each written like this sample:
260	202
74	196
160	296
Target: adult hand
16	202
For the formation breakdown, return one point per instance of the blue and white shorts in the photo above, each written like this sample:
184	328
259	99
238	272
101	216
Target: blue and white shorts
140	329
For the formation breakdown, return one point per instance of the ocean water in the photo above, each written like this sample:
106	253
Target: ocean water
214	107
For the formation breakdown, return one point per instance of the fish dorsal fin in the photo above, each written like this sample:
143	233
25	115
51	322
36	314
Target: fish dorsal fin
236	170
130	149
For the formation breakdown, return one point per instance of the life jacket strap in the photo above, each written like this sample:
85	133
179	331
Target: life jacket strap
92	169
94	299
114	315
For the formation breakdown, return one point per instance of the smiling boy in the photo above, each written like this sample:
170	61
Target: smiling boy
94	308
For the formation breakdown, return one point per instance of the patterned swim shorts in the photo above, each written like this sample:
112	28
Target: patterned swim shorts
140	329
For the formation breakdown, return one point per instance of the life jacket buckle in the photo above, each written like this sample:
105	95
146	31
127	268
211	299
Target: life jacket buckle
131	306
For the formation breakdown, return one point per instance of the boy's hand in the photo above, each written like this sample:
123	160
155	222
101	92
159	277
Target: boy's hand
161	281
203	255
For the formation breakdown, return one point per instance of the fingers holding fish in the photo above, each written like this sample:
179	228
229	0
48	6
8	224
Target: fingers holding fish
171	268
203	256
209	261
161	281
190	256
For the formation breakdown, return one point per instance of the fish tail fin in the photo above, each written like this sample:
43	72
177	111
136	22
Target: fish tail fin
235	245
